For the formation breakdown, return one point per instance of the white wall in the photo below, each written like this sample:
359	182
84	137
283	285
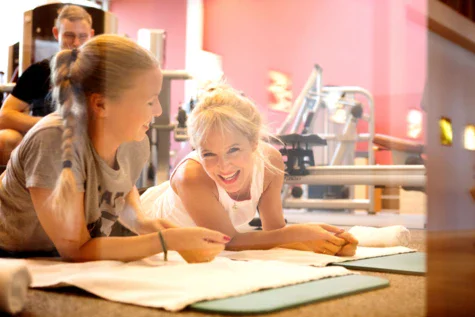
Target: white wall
11	25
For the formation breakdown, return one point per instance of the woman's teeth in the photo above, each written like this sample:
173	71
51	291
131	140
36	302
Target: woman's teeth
229	176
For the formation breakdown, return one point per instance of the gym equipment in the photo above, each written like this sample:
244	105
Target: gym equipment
13	63
180	132
6	87
161	128
297	157
403	152
154	40
290	296
314	107
159	134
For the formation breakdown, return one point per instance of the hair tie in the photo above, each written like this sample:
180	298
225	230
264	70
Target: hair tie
67	164
164	245
74	55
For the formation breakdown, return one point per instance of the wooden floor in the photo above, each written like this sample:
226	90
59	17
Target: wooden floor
451	273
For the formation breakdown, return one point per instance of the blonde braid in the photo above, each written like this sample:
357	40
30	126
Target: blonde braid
64	93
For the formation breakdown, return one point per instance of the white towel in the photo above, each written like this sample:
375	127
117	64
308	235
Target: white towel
174	284
381	237
310	258
14	282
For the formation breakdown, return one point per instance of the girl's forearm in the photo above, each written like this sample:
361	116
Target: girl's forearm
132	216
119	248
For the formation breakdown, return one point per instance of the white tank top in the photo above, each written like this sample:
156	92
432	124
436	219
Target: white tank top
162	202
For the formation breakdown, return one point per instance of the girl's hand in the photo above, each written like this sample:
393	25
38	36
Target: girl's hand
314	238
195	244
153	225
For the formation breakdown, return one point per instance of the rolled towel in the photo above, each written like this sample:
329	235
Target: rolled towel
14	281
381	237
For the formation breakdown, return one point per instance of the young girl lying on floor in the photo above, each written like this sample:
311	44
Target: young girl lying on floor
232	173
73	176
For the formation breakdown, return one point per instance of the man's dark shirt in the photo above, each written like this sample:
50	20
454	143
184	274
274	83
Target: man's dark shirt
33	87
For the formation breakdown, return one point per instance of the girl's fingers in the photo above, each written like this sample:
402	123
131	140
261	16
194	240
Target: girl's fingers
216	237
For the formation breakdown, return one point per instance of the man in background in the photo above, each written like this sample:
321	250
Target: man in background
30	100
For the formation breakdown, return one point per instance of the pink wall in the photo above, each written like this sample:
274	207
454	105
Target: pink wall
367	43
169	15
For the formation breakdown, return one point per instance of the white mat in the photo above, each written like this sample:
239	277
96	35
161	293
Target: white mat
176	284
14	282
309	258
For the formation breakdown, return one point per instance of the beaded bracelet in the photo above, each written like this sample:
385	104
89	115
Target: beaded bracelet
164	246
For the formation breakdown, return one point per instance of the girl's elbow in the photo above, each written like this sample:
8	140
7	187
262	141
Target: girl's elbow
71	252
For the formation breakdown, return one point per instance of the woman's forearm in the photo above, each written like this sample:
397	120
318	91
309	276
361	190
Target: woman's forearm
262	240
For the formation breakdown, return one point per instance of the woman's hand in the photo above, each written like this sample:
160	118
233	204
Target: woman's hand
195	244
314	238
349	249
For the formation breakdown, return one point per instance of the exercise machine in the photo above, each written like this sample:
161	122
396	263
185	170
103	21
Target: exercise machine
160	132
312	111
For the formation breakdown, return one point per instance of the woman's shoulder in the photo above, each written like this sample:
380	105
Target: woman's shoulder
190	171
272	153
189	174
274	159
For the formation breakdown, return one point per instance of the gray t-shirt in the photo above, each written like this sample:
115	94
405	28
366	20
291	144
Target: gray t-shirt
37	163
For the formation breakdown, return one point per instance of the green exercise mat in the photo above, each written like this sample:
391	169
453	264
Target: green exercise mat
289	296
406	263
